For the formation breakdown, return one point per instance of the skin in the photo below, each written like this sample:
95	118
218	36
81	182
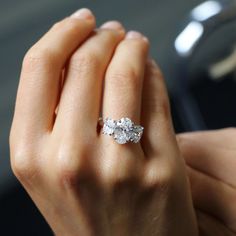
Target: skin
83	182
211	162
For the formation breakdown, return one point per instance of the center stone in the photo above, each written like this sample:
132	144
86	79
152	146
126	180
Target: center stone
125	124
122	133
120	136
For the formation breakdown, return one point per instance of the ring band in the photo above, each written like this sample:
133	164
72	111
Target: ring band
123	131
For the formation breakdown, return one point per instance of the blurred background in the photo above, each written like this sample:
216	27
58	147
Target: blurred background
193	41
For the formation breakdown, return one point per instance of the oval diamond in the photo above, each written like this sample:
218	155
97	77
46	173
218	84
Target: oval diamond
120	136
125	124
109	126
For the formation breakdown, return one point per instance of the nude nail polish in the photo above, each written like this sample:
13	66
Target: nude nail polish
113	25
83	13
136	35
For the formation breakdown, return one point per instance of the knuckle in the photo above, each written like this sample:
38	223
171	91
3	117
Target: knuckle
129	78
166	179
24	166
70	167
68	176
159	178
38	59
119	173
84	61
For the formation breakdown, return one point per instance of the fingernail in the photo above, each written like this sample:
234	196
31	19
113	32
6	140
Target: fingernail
113	25
136	35
83	13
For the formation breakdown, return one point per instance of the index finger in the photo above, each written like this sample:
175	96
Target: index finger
39	87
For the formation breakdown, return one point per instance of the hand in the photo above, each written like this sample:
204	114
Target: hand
83	182
211	161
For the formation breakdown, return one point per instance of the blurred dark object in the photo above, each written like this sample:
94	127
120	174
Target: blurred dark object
205	60
26	222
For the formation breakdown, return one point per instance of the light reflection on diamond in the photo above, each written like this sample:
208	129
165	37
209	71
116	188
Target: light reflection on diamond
109	126
120	136
125	123
123	130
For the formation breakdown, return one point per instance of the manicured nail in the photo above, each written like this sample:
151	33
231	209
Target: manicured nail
113	25
135	35
83	13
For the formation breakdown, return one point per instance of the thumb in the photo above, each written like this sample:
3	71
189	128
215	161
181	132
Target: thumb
211	152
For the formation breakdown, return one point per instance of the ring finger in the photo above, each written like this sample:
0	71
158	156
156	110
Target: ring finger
124	79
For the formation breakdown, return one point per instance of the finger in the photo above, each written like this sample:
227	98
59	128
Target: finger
42	67
124	79
210	225
80	101
156	118
213	197
211	152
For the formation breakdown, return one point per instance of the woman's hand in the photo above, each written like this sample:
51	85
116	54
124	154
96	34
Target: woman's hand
211	161
83	182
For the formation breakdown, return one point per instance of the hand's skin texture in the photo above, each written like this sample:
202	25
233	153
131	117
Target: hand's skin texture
211	164
82	181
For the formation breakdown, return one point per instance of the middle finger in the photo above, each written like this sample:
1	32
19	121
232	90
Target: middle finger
80	98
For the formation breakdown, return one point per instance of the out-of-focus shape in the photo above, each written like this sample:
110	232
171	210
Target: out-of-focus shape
206	10
224	67
188	38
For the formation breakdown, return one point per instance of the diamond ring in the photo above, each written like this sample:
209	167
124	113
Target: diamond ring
123	131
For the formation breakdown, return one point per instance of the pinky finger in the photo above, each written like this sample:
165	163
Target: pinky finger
156	117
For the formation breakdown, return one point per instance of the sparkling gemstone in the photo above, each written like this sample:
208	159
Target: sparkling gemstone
138	129
136	138
137	133
120	136
109	126
125	124
130	135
